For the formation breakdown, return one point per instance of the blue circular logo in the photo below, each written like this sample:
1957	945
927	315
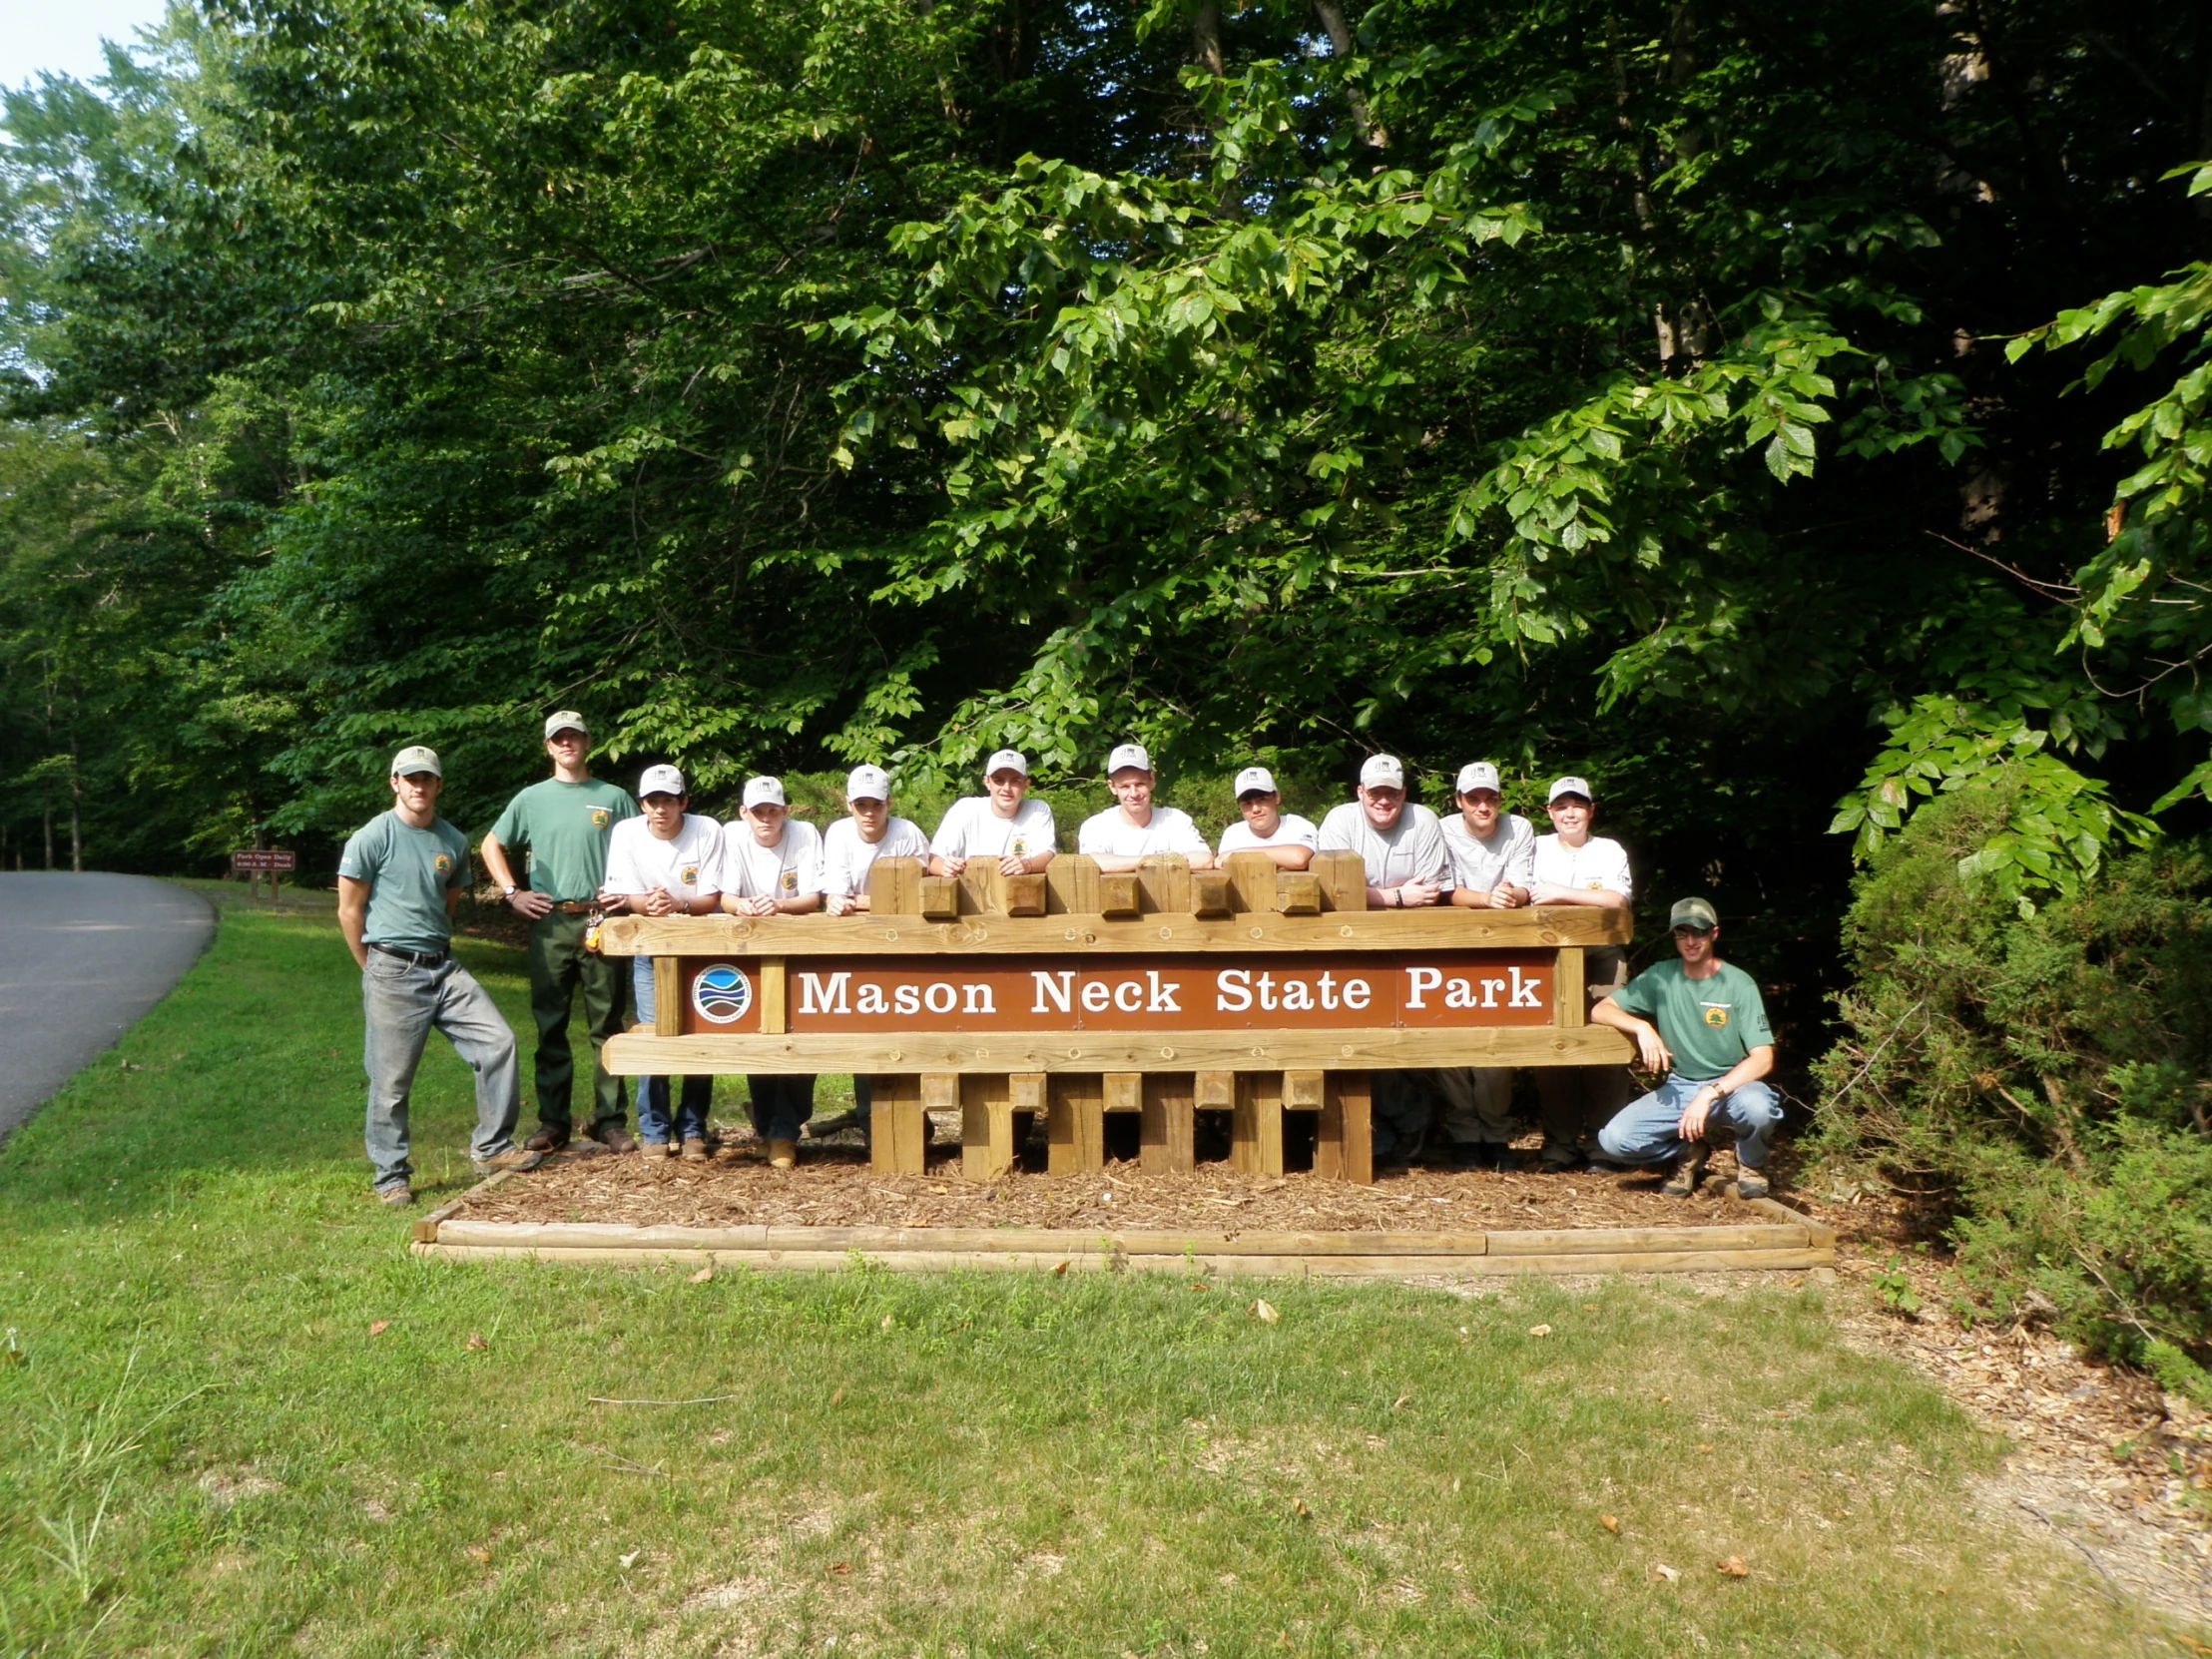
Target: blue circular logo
720	994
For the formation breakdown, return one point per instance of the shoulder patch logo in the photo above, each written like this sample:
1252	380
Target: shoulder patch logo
689	875
789	881
600	817
1716	1015
443	864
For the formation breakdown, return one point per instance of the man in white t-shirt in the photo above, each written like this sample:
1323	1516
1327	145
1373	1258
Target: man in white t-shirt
852	844
1134	829
999	824
772	865
849	850
1399	841
1284	837
1408	867
1493	854
1574	866
663	865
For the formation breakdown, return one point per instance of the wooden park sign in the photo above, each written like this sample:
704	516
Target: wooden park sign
253	863
1076	993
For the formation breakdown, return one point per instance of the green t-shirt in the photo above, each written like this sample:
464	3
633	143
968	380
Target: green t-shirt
410	872
1709	1024
564	828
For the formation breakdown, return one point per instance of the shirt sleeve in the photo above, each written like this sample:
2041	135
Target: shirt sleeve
1616	876
513	829
1184	837
1521	857
1431	858
1095	837
709	884
1640	996
1049	824
950	840
841	848
808	865
358	862
1756	1030
1336	833
626	807
462	874
621	866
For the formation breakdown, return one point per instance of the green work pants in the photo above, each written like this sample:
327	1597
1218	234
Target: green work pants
559	968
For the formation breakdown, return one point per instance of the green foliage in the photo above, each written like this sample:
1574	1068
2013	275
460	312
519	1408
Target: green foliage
2047	1071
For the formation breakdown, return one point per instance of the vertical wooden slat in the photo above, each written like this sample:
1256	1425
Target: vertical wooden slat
667	996
775	998
898	1137
1163	884
1071	886
940	897
1298	893
1023	896
979	888
1164	1134
1345	1148
1118	895
1569	1003
1256	1129
1344	879
1124	1091
1075	1123
1216	1091
1252	881
986	1126
894	887
1212	893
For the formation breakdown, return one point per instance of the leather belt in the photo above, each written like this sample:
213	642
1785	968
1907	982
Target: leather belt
574	907
419	958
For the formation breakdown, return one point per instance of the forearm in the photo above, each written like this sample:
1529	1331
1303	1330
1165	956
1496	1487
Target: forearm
1108	864
1603	898
1750	1069
495	862
1035	862
1288	857
354	918
803	904
1609	1012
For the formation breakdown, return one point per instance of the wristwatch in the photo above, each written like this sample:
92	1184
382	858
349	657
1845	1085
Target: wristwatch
508	892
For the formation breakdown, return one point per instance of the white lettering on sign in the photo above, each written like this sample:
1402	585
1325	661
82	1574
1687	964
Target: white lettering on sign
1420	982
1163	995
1357	994
978	1001
1524	996
1058	987
820	996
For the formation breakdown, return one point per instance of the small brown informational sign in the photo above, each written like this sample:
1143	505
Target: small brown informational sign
260	861
1347	990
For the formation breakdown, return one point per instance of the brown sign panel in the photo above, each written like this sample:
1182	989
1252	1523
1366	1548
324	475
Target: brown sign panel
1313	992
262	859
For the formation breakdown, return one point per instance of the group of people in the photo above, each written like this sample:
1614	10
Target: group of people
591	849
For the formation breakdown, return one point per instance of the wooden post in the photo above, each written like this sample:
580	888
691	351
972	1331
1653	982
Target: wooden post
667	996
940	897
1164	1133
1023	896
1117	895
1216	1091
1298	893
940	1092
1071	886
1212	893
1027	1092
1252	881
899	1135
1569	1001
1075	1122
1164	883
986	1126
1344	1148
775	998
1124	1091
1256	1129
1344	879
894	887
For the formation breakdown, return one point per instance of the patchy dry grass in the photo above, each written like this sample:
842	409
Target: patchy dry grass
1094	1464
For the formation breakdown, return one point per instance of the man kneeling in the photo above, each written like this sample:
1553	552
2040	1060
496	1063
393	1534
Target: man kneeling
1712	1040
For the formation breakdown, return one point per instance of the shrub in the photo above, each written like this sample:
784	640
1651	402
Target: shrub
2047	1076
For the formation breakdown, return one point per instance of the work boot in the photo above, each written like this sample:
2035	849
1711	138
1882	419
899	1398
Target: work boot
783	1154
515	1158
1558	1158
548	1139
1749	1182
1689	1170
614	1137
395	1197
695	1149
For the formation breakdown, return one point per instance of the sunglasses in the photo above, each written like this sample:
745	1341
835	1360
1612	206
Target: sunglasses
1692	932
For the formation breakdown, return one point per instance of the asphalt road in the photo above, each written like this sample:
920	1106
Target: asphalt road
81	959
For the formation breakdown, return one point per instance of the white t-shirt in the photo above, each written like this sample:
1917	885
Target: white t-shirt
972	831
791	868
1597	866
1508	855
1412	850
1289	830
847	859
1114	837
637	861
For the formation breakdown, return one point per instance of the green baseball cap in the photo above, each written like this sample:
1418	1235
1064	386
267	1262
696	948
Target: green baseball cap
1692	912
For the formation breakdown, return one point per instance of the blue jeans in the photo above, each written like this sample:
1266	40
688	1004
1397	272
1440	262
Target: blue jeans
697	1094
1643	1132
402	1003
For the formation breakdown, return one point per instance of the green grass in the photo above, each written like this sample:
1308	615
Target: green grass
205	1450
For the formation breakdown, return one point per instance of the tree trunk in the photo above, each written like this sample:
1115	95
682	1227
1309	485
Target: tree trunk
1205	36
1331	15
46	814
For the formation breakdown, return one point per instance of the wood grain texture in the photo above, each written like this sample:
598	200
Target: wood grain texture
776	1002
1166	1124
1568	1007
1255	1122
1344	1144
667	996
1343	880
1075	1123
894	886
630	1054
898	1134
865	934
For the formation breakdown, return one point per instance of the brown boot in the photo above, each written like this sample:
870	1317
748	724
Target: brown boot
783	1154
614	1137
695	1149
548	1139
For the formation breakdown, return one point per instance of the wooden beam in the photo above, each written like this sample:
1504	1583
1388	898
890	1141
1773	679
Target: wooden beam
894	886
1119	896
1298	893
775	998
1302	1091
1250	881
1212	893
1163	884
1165	1139
1256	1125
1569	1007
1343	1148
1075	1123
899	1135
1023	896
1123	1091
1071	886
986	1126
1538	927
667	996
1344	879
1381	1048
940	899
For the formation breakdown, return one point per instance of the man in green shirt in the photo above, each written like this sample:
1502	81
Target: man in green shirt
399	879
564	824
1703	1023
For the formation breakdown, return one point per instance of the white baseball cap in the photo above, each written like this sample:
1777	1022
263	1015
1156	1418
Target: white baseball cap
764	791
567	720
1478	774
867	784
1006	759
1128	755
416	758
661	779
1381	771
1256	780
1571	785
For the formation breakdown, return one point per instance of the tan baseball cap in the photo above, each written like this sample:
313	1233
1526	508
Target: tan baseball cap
568	720
416	758
1382	771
